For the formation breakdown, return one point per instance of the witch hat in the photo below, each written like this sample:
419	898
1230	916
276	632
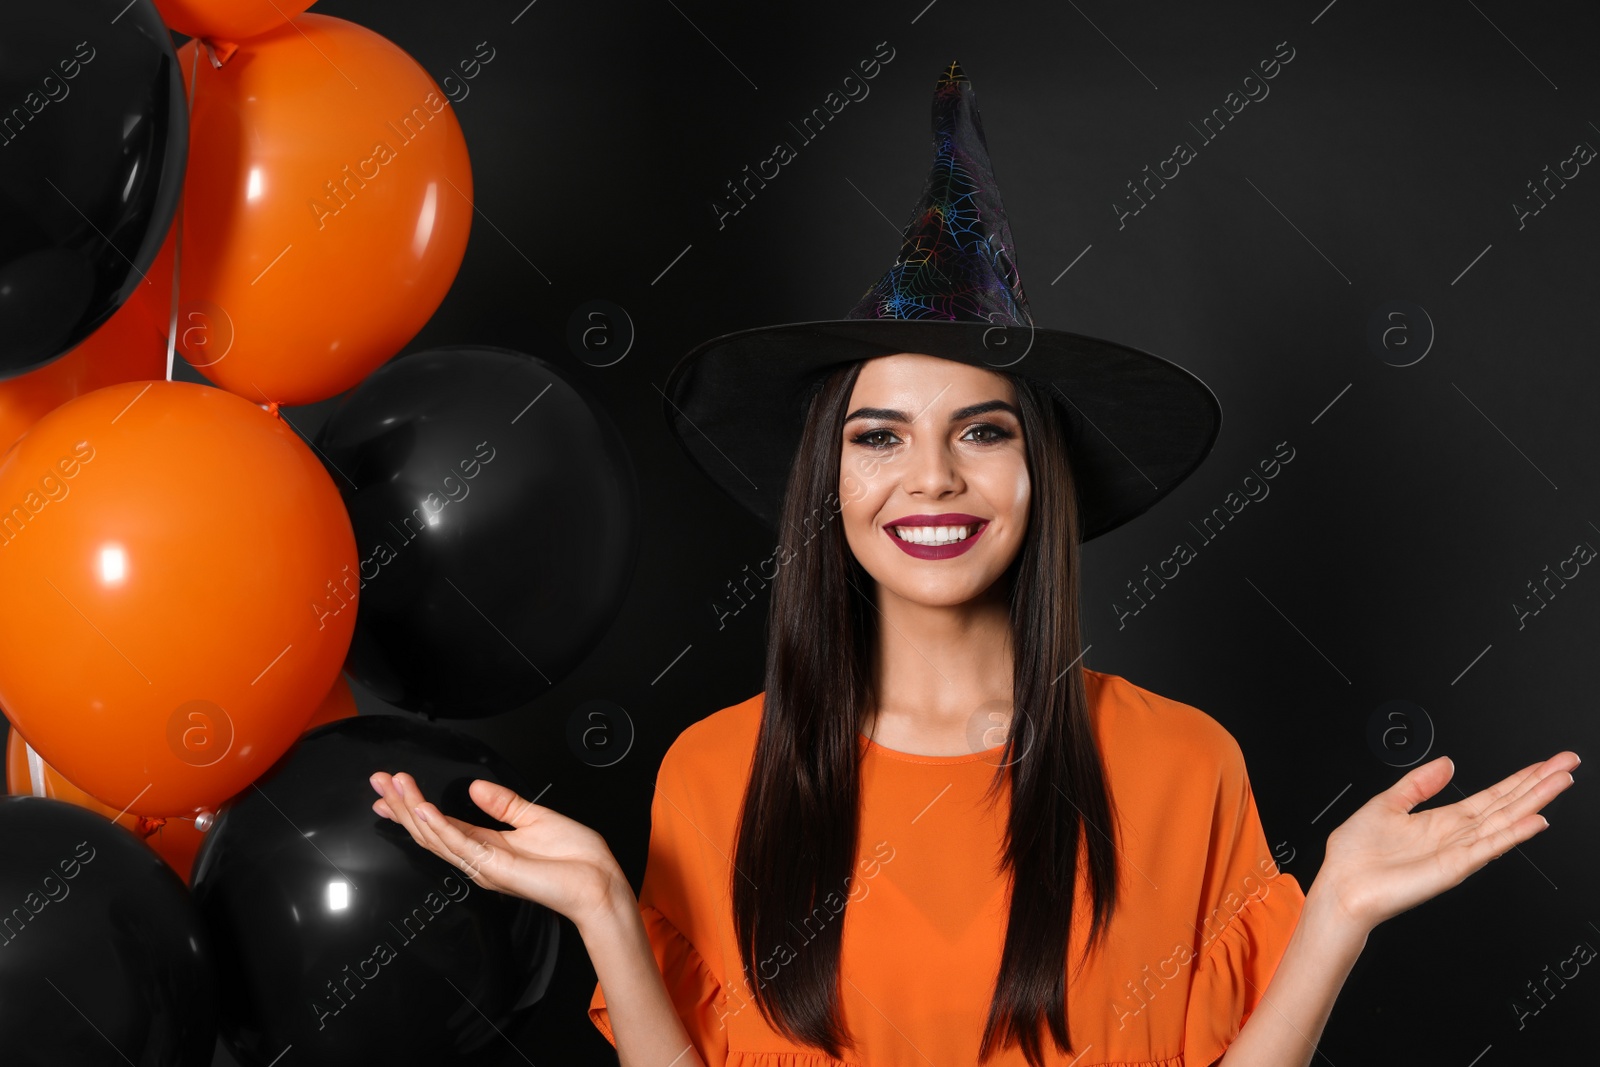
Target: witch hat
1139	424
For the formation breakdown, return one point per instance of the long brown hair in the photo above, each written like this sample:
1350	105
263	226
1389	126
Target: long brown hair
797	835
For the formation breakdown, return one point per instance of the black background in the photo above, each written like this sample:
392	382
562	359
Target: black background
1385	562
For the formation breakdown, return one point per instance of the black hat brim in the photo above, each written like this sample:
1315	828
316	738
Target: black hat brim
1140	424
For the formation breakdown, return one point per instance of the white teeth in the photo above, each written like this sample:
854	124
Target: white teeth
934	535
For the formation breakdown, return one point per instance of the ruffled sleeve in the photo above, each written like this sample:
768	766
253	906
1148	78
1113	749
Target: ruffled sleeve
696	994
678	899
1251	912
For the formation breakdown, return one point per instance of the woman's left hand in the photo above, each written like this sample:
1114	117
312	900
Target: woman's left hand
1386	859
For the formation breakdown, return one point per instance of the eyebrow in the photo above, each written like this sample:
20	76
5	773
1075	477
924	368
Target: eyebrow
892	415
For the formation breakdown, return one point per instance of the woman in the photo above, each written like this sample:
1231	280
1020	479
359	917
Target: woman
936	836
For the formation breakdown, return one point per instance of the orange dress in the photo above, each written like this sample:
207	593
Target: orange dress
1204	917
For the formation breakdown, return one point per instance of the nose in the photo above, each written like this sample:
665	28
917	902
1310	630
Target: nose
930	469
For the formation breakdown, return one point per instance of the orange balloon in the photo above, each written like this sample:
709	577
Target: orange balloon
31	776
176	840
130	346
340	703
326	208
228	20
177	592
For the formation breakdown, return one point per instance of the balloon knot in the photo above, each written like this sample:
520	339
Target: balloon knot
272	409
146	825
219	52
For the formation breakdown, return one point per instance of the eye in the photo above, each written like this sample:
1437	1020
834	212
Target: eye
871	440
997	433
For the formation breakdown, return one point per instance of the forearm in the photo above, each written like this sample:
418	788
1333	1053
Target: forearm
647	1029
1283	1031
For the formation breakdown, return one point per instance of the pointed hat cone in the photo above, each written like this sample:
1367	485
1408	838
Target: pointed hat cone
955	259
1139	424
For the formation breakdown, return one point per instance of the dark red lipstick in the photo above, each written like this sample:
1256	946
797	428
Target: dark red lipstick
947	518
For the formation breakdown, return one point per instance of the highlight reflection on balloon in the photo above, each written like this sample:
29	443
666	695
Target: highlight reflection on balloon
337	934
329	213
496	517
169	613
94	141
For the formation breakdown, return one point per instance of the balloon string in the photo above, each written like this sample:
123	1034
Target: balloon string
177	237
144	825
219	51
35	770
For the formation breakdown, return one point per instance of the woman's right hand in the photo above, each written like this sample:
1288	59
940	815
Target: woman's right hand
546	857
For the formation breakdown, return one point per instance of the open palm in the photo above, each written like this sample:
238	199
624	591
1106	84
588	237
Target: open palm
546	857
1387	858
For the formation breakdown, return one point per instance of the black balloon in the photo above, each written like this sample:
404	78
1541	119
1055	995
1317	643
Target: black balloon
339	935
94	132
496	518
104	960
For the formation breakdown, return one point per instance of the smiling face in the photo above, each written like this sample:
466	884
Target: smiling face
933	477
